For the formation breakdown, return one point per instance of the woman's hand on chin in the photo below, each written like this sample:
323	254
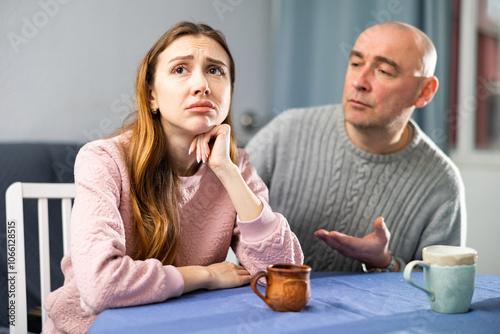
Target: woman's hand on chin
212	147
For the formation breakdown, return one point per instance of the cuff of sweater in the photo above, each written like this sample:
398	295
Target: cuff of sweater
402	264
175	283
261	227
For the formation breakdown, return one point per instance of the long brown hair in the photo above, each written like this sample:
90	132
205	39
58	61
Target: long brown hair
153	181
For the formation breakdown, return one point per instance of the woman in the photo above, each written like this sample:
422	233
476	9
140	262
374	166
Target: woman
158	206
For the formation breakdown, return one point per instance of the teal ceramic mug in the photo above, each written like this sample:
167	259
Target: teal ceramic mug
449	277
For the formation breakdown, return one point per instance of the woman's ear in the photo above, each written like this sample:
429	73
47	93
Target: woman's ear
430	86
153	104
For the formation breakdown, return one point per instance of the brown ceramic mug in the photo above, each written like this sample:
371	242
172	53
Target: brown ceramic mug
287	286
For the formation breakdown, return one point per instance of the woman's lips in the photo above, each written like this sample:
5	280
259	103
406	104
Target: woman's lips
201	107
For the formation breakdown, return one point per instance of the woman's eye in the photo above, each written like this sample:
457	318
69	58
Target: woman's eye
216	71
179	70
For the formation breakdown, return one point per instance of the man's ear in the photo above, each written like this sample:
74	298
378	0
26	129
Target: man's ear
429	88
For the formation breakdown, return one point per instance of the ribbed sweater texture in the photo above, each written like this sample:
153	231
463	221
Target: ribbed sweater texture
318	179
99	270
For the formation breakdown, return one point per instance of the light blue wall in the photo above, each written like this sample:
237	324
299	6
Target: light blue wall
314	39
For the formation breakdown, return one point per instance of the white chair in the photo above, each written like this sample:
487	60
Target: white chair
231	257
15	243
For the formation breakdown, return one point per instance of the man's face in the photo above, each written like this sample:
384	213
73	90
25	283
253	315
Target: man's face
382	82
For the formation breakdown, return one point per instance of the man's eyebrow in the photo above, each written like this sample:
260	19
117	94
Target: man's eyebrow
355	53
388	61
379	59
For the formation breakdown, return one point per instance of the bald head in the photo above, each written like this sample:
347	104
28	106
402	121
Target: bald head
416	39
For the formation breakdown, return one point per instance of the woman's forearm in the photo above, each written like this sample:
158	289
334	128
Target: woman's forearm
247	205
195	277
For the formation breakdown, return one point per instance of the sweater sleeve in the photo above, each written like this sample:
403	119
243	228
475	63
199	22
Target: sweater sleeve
105	276
446	215
268	238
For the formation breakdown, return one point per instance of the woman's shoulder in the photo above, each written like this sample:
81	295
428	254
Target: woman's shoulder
113	146
106	152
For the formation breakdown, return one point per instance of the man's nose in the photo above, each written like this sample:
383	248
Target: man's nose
362	79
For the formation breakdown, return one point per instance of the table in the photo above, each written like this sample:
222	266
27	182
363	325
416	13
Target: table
340	303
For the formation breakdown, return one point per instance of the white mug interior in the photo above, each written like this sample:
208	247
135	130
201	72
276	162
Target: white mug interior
442	255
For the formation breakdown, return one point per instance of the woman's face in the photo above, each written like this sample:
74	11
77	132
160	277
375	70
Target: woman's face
192	86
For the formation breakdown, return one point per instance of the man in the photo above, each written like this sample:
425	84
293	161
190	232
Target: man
333	170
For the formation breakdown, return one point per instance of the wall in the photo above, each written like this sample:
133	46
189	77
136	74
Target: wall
482	191
68	67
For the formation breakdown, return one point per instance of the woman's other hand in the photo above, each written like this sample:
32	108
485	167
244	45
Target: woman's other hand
221	275
227	275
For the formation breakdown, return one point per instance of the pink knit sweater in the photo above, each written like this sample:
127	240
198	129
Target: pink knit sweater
99	271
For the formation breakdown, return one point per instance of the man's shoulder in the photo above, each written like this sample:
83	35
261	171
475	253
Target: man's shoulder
437	160
328	111
301	119
289	126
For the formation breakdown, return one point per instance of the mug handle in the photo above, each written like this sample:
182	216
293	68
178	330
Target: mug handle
253	283
407	276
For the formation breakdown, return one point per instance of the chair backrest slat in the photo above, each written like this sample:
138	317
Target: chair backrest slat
44	246
48	190
16	248
66	205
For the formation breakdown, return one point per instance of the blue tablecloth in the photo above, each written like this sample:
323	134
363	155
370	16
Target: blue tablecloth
340	303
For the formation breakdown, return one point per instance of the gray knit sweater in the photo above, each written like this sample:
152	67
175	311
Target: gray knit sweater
318	178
